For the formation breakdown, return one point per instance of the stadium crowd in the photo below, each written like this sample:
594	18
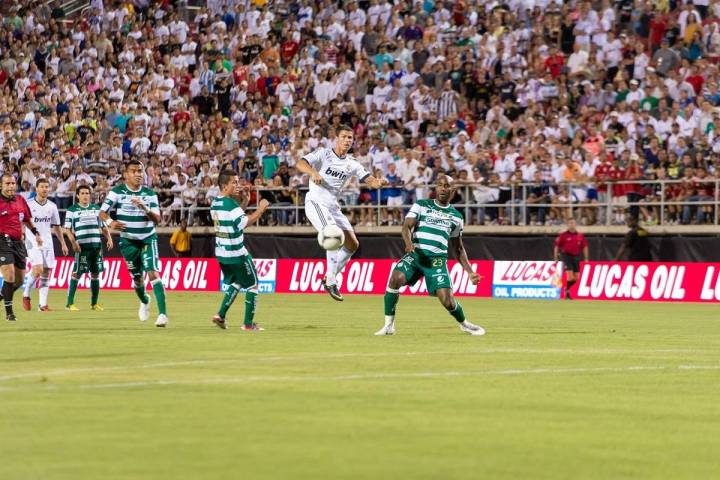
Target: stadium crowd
528	103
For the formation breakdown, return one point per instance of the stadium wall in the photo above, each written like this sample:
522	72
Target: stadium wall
667	248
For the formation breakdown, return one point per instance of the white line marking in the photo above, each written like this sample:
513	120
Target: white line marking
329	356
369	376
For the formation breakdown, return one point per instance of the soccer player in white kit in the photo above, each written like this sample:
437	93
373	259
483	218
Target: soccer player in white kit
46	218
329	170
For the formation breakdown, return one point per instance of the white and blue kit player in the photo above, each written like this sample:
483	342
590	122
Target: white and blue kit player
46	218
329	170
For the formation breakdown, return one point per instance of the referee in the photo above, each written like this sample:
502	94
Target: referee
571	247
14	211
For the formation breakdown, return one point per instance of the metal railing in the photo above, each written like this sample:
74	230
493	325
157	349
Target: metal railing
516	204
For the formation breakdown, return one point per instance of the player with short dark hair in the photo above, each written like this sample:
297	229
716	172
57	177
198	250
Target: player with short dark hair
42	257
85	230
229	220
431	228
329	170
571	247
636	244
14	212
138	212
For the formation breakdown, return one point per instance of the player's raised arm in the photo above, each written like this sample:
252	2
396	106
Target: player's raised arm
255	216
303	166
110	201
375	182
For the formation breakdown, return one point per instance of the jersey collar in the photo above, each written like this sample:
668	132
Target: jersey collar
134	191
338	156
440	206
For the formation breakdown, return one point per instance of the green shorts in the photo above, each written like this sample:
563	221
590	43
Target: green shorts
88	260
140	255
434	269
241	273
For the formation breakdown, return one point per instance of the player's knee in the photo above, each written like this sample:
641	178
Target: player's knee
43	282
137	281
397	280
447	301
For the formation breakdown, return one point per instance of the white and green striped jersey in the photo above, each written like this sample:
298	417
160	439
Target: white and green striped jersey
435	226
85	224
138	224
229	220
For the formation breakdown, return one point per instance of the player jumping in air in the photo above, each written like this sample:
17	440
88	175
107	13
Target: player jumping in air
85	230
229	220
42	257
137	214
329	170
14	212
429	228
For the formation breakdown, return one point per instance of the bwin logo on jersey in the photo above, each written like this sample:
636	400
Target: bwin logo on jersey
334	173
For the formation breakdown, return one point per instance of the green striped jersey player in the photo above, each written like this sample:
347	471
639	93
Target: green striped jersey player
85	231
431	228
229	221
138	212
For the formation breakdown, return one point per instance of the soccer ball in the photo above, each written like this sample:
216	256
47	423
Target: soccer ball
331	237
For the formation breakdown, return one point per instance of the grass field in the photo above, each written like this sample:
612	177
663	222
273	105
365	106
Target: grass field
554	390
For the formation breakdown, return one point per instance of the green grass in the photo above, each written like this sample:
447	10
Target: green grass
554	390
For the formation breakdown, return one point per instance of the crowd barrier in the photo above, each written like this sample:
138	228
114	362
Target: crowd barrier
622	281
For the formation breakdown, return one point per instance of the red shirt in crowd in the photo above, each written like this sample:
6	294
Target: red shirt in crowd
616	174
602	175
554	64
13	212
571	243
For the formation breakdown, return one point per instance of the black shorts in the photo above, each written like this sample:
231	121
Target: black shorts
13	252
571	262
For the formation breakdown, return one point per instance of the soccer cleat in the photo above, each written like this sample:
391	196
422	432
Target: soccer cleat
44	308
254	326
219	321
26	303
144	312
332	290
10	317
162	320
472	329
97	308
72	308
388	329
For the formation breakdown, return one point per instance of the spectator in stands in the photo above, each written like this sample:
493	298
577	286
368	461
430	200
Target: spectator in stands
181	240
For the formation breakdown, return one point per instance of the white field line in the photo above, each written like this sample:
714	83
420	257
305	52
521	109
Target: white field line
327	356
369	376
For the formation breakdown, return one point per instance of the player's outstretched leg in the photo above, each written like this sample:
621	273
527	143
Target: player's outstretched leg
336	261
392	296
250	304
70	304
453	306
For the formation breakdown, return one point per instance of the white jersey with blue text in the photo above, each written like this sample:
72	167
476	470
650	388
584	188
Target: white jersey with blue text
335	172
44	217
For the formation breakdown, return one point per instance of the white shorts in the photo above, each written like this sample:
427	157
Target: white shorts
395	201
42	256
322	214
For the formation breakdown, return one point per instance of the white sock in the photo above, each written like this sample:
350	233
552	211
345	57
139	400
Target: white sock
332	262
29	282
389	319
44	289
343	257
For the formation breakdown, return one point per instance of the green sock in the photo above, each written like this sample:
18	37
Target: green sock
94	290
228	300
159	291
391	300
458	313
140	292
250	302
71	291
